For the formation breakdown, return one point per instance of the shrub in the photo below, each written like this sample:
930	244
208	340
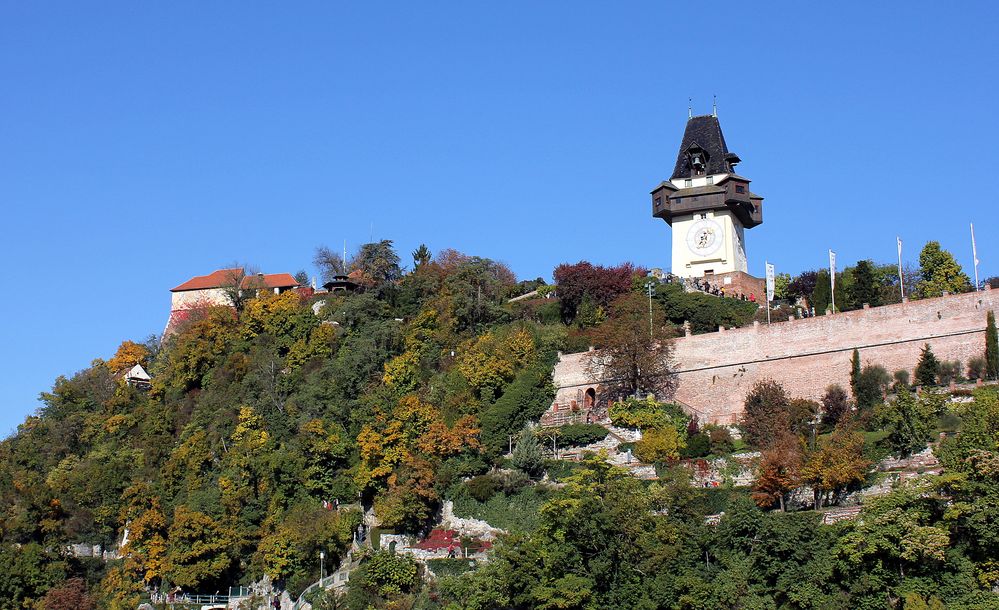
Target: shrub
648	414
512	481
482	487
575	435
976	368
721	439
698	445
661	445
450	567
527	453
871	386
950	370
901	377
518	512
835	405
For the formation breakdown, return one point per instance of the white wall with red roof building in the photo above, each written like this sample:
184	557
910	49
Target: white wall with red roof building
215	290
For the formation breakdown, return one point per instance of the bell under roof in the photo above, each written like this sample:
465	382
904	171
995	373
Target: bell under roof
704	132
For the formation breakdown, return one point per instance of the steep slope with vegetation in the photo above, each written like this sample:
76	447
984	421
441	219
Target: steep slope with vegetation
269	426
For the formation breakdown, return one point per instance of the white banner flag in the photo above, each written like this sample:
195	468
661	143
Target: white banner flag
832	278
901	281
770	282
974	254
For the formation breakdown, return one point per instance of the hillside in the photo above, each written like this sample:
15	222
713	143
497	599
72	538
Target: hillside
269	429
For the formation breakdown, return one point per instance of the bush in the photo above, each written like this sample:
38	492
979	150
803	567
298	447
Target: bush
518	512
722	442
577	435
527	454
698	445
950	370
659	446
450	567
512	481
901	377
871	386
976	368
648	414
704	312
482	487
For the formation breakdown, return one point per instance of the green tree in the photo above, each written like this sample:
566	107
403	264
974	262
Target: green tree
198	550
871	386
864	288
837	462
822	294
766	416
855	368
927	368
939	272
660	446
835	405
909	420
991	347
527	455
421	256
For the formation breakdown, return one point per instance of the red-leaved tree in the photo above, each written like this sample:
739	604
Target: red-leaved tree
601	284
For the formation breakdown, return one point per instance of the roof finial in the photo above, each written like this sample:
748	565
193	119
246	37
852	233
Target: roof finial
690	108
714	106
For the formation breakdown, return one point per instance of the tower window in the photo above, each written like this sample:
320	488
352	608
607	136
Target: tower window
688	183
711	179
659	201
740	189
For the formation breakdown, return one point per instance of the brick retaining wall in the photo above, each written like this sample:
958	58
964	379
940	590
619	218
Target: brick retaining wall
717	369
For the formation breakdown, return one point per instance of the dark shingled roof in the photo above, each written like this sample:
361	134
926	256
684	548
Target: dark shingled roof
705	133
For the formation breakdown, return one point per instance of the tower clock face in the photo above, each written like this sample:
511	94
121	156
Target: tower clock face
704	237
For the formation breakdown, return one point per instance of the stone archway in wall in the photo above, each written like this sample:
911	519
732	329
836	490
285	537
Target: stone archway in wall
590	398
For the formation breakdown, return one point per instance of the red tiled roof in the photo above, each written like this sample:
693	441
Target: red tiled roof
226	277
215	279
272	280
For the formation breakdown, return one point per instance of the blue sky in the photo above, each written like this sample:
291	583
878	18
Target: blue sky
144	143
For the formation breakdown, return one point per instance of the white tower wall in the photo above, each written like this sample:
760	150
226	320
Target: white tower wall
710	241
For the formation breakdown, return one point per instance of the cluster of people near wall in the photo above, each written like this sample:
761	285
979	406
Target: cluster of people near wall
719	291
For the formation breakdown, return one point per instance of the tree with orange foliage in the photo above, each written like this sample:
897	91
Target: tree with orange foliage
837	462
780	471
128	355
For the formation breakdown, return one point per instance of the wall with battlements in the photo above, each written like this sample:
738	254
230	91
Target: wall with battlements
717	369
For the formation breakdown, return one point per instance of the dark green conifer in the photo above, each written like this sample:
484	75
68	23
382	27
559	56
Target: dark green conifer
928	367
855	372
991	347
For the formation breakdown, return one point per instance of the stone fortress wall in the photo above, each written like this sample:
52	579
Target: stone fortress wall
716	370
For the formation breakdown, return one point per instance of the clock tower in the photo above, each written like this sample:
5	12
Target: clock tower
707	204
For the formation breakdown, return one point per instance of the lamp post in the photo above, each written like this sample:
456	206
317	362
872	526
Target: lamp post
322	557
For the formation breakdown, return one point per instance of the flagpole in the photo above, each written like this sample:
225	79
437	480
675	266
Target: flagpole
974	254
901	284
